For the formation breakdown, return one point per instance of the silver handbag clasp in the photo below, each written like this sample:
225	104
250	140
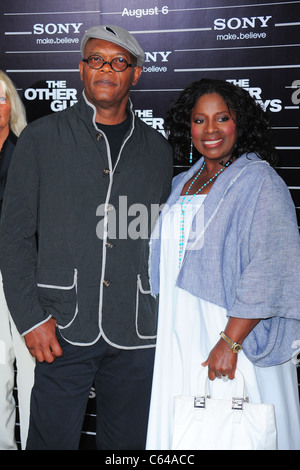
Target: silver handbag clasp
238	403
199	402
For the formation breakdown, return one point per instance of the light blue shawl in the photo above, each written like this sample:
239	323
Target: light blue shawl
246	256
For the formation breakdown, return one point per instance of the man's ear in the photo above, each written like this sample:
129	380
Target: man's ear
137	74
81	64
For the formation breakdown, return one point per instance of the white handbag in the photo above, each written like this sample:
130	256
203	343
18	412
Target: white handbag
203	423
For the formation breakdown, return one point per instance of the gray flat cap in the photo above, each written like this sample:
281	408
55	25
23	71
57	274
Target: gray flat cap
117	35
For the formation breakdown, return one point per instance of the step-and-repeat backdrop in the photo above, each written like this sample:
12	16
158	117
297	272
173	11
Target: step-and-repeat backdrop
254	44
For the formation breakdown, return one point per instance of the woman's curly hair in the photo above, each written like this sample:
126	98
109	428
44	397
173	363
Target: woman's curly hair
253	129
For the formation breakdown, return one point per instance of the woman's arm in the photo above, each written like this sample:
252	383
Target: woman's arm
222	360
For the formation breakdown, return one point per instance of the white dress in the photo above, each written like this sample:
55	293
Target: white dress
13	348
188	329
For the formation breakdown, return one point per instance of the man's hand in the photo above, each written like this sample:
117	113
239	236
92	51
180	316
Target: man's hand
42	342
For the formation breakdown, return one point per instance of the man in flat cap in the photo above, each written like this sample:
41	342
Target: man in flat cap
74	252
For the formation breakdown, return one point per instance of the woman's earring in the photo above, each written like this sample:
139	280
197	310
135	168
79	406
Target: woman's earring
191	151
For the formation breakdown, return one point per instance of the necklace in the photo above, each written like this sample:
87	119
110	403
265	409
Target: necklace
183	204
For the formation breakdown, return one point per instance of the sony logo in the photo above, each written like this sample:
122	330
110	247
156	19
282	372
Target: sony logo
57	28
245	23
154	56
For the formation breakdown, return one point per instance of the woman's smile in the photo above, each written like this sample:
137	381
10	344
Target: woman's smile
212	143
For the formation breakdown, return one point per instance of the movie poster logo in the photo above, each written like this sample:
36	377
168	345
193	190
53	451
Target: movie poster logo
273	105
49	96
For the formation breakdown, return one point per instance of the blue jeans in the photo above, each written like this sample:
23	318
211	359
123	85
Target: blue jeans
122	381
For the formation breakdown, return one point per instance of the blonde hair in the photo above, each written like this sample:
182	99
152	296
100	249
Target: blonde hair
18	114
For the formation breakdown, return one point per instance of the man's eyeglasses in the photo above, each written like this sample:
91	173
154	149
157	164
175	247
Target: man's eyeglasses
118	64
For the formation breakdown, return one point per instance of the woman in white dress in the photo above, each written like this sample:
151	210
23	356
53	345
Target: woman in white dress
225	260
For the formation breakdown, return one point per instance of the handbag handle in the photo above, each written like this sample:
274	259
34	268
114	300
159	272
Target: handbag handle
203	382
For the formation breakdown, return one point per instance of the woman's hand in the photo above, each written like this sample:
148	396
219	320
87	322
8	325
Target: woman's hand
222	361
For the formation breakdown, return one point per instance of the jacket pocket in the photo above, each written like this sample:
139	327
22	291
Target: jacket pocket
57	290
146	309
